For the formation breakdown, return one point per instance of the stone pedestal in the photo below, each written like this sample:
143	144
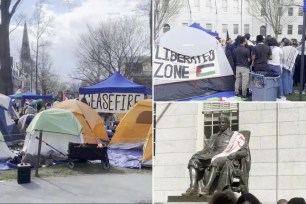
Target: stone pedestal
188	199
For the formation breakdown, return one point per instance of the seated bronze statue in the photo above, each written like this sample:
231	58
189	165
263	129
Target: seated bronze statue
221	158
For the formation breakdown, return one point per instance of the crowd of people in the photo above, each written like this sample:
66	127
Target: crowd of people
228	197
265	55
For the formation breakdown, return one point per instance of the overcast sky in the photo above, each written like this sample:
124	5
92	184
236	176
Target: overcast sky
69	21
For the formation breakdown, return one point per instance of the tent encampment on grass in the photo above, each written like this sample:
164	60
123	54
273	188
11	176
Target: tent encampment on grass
8	118
93	127
58	126
132	131
116	94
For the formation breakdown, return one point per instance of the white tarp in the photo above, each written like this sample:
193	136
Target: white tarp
112	102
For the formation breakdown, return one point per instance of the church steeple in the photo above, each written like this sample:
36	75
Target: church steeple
26	62
25	47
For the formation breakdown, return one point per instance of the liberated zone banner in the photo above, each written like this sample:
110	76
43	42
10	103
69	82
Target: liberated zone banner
112	102
169	65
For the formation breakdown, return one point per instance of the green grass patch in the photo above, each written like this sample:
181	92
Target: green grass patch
295	96
79	169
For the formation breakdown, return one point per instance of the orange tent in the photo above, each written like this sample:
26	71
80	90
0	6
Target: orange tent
132	131
93	127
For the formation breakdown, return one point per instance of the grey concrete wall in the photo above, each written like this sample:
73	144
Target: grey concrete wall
176	138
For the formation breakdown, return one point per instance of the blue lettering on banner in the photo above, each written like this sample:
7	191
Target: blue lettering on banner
304	9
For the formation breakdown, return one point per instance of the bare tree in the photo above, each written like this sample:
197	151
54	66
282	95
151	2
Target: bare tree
46	77
272	12
7	10
17	21
164	12
115	45
41	27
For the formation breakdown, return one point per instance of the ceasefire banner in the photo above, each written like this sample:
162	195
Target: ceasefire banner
169	65
112	102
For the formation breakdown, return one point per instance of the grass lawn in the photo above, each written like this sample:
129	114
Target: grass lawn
79	169
295	97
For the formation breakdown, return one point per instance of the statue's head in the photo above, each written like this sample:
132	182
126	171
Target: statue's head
224	122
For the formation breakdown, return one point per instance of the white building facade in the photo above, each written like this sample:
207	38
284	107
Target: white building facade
233	16
277	145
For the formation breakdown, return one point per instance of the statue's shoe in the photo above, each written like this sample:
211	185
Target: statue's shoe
191	192
204	192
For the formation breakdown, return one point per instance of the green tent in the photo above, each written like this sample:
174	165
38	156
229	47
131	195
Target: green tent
56	120
58	126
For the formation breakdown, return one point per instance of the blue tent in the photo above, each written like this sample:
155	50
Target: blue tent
115	84
8	126
29	95
197	25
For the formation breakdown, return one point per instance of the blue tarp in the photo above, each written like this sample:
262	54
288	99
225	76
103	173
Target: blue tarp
127	158
4	166
29	95
115	84
197	25
226	94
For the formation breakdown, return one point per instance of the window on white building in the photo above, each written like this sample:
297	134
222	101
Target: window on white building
196	5
236	6
166	28
300	29
224	5
211	113
196	2
209	26
236	30
208	3
263	7
246	28
224	28
280	11
290	11
290	28
280	29
263	30
300	11
246	5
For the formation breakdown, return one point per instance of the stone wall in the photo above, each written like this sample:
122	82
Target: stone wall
176	139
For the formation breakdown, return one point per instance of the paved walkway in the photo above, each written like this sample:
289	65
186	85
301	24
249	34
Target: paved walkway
101	188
